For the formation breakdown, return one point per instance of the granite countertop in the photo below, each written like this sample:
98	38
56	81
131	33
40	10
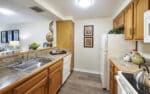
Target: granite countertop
124	66
10	75
127	67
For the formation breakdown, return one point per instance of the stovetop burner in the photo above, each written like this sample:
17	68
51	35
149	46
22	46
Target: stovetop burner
143	89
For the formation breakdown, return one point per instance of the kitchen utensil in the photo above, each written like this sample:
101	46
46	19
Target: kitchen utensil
141	76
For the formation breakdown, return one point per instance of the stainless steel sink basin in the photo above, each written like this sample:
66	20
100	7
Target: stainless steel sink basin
31	64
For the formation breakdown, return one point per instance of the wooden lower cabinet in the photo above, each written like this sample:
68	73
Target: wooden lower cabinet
35	85
47	81
113	83
55	77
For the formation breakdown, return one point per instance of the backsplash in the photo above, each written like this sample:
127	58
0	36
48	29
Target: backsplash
144	49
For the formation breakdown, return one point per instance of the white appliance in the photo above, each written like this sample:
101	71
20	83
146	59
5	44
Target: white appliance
112	45
66	67
147	26
124	87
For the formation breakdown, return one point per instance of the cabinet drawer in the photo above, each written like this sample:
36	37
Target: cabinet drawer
55	66
30	83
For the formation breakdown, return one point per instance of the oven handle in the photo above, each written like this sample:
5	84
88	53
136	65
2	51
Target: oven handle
120	85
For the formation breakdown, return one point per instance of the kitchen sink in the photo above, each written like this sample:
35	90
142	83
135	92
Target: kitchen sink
31	64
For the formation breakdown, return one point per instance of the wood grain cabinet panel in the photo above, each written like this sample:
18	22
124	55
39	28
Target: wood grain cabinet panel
55	77
65	37
140	6
35	85
39	88
133	19
128	26
113	83
118	22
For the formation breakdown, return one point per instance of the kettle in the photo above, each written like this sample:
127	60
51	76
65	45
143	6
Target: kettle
141	77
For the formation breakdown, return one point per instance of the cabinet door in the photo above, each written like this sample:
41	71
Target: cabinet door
118	22
115	87
111	78
55	80
64	34
140	6
128	26
115	23
121	19
65	37
35	85
39	88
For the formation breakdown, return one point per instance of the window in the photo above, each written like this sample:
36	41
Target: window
9	35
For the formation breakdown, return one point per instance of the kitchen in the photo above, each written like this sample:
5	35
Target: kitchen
74	46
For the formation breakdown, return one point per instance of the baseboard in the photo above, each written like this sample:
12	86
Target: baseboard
87	71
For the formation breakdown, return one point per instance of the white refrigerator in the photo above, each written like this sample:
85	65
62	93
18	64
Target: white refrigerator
112	45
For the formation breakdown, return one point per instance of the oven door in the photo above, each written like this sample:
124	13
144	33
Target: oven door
121	89
147	27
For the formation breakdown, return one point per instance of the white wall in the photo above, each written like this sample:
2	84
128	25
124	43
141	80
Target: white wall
30	32
87	59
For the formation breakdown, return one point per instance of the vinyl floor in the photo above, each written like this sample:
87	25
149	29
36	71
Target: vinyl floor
82	83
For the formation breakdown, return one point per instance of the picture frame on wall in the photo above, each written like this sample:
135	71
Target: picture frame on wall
88	42
88	30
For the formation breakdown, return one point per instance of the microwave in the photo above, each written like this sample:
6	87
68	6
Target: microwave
147	26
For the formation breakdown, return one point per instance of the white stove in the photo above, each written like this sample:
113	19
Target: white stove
127	84
124	87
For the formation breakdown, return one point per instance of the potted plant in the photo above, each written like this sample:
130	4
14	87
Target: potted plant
34	46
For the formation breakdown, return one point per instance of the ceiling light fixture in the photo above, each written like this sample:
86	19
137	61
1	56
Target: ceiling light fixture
84	3
7	12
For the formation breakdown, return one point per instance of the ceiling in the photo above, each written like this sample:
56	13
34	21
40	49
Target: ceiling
100	8
56	9
23	13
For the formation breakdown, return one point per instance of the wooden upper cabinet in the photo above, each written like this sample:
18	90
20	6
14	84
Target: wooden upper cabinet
133	19
128	25
65	34
119	20
140	6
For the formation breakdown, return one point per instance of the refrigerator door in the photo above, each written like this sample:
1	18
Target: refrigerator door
113	45
103	59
